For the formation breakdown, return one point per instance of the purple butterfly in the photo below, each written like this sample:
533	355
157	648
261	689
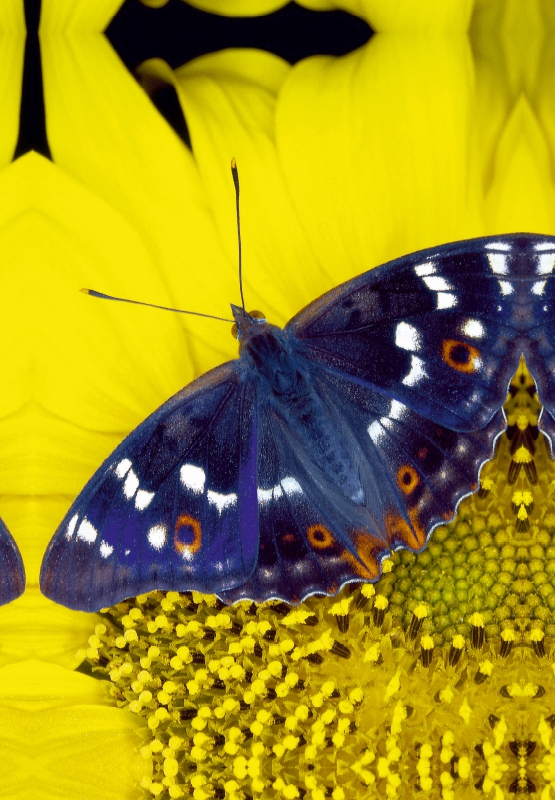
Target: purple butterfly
350	433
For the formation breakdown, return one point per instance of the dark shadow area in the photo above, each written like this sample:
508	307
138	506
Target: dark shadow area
178	33
32	120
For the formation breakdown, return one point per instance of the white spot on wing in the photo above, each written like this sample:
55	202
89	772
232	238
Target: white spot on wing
288	485
291	486
416	374
546	264
506	287
544	246
407	336
130	485
264	496
221	501
498	263
425	269
143	499
473	328
71	526
376	432
157	536
446	300
437	284
86	531
397	410
123	468
498	246
538	287
105	549
192	478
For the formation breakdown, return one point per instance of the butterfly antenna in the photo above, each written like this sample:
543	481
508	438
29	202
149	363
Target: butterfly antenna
235	174
102	296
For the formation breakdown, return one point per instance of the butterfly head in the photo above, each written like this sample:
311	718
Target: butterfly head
245	322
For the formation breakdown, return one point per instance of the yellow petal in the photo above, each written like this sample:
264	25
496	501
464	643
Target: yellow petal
104	131
235	8
75	753
231	112
35	686
76	16
376	150
522	195
12	45
406	16
35	628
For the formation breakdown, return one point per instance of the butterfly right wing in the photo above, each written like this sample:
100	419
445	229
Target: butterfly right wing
539	325
12	571
173	508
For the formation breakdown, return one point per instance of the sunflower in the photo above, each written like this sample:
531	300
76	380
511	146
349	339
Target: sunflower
345	163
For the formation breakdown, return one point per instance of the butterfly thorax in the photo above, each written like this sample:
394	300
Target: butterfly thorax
271	358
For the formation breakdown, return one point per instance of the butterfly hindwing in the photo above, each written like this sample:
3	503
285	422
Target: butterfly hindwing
539	322
174	507
312	537
419	470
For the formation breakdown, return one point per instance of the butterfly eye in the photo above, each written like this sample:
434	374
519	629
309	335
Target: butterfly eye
252	315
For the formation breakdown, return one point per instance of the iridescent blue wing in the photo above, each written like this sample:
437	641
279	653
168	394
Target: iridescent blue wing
436	330
174	507
413	472
12	571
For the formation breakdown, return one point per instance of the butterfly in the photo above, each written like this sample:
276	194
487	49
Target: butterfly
12	571
352	432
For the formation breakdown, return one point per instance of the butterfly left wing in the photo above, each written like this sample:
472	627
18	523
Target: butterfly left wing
438	330
12	571
174	507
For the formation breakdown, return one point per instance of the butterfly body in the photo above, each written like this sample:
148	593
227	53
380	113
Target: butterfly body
351	432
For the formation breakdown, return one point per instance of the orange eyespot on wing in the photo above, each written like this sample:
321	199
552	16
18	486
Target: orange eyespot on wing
460	356
320	537
407	478
187	535
399	531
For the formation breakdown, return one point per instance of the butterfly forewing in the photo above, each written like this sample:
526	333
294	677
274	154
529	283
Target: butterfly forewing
174	507
434	330
12	571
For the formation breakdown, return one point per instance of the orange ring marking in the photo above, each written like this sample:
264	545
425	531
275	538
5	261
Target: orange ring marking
325	538
185	520
404	472
473	356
